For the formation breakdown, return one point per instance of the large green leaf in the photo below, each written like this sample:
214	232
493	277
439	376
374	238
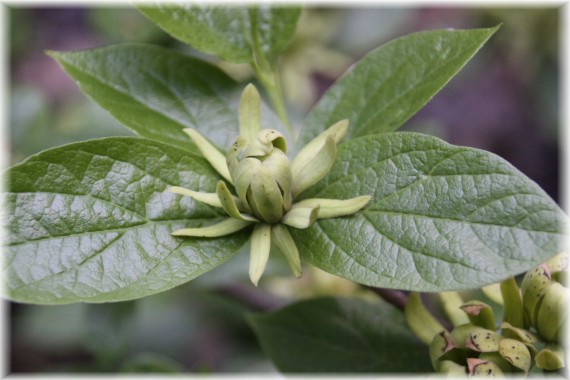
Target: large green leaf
234	33
157	92
441	217
391	83
91	222
335	335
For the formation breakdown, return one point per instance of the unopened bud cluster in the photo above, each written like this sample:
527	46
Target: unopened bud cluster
266	184
529	338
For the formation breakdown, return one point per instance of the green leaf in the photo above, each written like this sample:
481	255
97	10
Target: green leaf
336	335
92	222
157	92
391	83
231	32
441	217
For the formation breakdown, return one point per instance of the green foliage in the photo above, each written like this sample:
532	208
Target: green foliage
391	83
156	92
91	221
441	217
235	34
335	335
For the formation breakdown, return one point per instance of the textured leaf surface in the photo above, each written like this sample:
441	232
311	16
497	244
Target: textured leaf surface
91	222
233	33
391	83
157	92
335	335
441	217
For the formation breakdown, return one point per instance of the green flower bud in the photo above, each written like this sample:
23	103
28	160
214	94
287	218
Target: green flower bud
478	367
516	353
483	340
552	312
551	358
533	286
480	314
440	345
265	183
261	173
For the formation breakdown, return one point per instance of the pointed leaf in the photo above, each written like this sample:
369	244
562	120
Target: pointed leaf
92	222
441	217
335	335
157	92
391	83
227	31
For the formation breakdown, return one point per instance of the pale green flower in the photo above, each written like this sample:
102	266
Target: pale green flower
266	184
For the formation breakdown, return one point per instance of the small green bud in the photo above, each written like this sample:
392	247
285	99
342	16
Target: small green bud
533	286
552	312
522	335
480	314
440	345
486	368
550	358
483	340
515	353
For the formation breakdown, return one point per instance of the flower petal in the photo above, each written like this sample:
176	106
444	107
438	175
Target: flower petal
331	208
242	176
280	168
284	242
266	197
259	251
305	155
207	198
226	227
210	153
274	138
315	168
249	113
231	204
301	217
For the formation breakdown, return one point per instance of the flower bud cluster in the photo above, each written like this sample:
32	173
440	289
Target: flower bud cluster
529	338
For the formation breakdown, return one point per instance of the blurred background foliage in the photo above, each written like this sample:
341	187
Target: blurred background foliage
505	101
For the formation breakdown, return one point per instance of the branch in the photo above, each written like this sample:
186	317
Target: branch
397	298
